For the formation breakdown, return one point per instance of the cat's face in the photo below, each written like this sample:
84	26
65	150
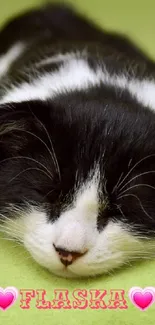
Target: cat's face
77	183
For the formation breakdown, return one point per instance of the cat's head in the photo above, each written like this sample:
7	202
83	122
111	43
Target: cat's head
77	181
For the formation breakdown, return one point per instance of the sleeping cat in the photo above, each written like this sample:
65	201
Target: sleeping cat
77	143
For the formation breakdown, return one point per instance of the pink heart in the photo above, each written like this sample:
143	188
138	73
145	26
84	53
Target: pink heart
8	297
142	298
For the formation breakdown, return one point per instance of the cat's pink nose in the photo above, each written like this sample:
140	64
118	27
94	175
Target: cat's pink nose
66	257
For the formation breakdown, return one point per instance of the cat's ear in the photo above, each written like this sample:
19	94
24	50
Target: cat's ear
59	21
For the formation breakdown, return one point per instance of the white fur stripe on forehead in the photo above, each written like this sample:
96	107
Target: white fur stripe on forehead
87	194
10	56
75	74
72	75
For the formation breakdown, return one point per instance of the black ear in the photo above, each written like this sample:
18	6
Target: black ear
59	22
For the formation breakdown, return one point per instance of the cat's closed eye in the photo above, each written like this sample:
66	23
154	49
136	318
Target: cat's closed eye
77	105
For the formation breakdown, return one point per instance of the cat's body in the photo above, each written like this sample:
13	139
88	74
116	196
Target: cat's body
77	143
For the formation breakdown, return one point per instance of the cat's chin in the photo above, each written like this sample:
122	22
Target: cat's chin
68	274
72	273
65	273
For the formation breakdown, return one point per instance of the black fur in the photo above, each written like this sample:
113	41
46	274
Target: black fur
101	124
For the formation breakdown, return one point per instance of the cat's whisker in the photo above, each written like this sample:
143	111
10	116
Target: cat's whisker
13	235
34	135
142	258
12	227
141	205
117	184
7	239
132	168
11	221
48	193
52	147
28	158
7	218
130	161
139	175
28	169
137	185
118	206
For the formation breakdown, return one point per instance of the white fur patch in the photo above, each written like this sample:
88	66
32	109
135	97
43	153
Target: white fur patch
142	90
76	230
81	218
74	74
8	58
107	250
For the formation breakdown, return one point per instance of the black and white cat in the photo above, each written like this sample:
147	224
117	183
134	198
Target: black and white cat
77	143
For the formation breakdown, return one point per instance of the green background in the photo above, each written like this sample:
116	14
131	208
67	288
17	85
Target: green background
136	19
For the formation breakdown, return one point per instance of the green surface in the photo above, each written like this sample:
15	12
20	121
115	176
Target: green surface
135	18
